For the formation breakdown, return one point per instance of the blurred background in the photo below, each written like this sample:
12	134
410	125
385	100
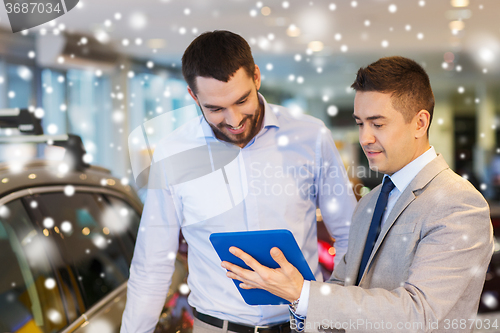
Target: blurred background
106	67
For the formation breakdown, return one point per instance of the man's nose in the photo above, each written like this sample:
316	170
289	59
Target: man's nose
366	136
233	118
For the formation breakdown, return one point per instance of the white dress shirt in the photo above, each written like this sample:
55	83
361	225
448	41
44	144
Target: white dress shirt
401	179
275	182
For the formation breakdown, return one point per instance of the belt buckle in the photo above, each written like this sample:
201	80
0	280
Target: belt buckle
256	328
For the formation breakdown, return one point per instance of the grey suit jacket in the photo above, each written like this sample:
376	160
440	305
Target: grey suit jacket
428	266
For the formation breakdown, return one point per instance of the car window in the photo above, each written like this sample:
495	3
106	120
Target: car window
126	214
91	237
30	298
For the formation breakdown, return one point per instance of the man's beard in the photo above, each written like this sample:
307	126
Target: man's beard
242	138
252	121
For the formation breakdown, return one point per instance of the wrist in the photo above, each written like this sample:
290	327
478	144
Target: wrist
297	292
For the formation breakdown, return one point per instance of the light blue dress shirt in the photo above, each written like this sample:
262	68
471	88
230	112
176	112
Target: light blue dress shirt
401	179
275	182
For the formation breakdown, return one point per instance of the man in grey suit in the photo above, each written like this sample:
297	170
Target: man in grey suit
419	245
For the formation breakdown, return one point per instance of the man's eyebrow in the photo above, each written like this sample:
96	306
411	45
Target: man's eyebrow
370	118
376	117
245	95
210	106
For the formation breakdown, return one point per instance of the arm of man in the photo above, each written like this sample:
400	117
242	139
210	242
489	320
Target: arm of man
154	256
445	277
335	199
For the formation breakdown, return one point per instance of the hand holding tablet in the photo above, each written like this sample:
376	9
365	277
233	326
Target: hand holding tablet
258	244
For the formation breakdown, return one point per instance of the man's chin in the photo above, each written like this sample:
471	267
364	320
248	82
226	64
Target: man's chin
236	139
374	167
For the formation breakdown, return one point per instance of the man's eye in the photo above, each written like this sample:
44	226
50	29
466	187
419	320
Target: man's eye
359	124
241	102
377	125
215	110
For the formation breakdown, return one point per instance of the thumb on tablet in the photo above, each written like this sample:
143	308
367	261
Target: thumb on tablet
278	256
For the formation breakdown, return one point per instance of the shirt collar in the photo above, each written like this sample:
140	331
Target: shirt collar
270	120
204	129
404	176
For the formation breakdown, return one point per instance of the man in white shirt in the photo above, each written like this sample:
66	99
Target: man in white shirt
243	165
419	245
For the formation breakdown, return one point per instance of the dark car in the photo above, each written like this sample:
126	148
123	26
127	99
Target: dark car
67	234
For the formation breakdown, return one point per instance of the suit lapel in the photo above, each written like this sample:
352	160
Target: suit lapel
416	186
360	229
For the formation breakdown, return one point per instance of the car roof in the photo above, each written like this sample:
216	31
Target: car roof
43	173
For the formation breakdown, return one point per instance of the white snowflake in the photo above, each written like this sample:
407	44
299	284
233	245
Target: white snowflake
332	110
325	289
48	222
69	190
54	316
490	300
184	289
63	168
4	212
52	128
66	227
283	140
50	283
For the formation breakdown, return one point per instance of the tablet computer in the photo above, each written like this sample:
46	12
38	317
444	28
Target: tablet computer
258	244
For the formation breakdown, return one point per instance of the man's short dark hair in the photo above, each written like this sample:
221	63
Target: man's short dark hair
404	79
218	54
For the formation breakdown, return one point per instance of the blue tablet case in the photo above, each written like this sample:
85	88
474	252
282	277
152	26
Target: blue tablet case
258	244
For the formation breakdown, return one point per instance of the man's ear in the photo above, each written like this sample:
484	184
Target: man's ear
193	95
256	77
422	123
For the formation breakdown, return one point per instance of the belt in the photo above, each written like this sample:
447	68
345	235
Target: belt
235	327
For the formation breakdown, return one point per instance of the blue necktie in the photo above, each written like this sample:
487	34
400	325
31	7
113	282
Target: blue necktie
375	226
